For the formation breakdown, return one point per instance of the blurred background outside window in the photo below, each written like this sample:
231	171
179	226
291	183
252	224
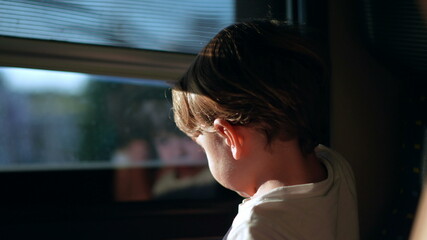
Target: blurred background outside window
53	120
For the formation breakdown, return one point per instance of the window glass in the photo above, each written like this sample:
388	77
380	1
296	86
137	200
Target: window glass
56	121
179	26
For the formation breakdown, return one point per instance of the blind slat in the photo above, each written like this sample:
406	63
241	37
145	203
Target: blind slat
183	26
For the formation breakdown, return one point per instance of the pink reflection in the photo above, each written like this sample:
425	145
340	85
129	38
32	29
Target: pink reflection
135	151
179	150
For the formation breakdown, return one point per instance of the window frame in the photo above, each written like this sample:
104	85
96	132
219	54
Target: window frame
92	59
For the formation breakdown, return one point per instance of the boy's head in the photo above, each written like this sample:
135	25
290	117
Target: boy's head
257	74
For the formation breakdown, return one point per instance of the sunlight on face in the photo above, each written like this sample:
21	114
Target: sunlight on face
220	159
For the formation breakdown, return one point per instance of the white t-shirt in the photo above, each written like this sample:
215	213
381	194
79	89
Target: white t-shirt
326	210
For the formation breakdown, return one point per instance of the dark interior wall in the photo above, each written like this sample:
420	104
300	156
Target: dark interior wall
364	116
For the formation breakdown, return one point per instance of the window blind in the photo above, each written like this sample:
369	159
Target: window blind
398	31
166	25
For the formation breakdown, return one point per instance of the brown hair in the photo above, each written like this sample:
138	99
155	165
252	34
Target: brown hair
261	74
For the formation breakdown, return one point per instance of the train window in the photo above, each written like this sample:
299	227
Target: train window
154	25
66	122
79	133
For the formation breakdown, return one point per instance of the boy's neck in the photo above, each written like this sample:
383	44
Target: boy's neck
286	166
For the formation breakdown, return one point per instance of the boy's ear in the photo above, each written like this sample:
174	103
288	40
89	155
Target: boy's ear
231	135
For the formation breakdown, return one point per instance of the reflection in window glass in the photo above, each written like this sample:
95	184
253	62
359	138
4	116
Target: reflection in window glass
54	120
178	26
51	117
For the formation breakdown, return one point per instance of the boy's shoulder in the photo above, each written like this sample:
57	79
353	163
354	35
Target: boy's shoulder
276	221
337	164
302	211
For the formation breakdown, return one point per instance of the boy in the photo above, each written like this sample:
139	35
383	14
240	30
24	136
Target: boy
250	100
